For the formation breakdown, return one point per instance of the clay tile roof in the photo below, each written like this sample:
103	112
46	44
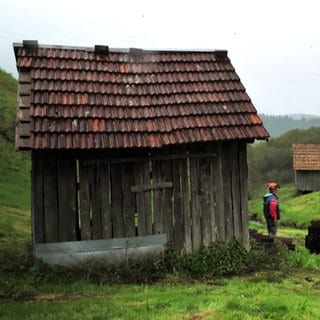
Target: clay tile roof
111	98
306	156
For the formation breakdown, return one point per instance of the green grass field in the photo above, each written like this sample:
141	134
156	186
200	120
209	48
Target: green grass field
29	292
270	295
296	210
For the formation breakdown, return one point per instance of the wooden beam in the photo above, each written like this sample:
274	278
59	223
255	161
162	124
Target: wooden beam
141	188
22	143
23	114
24	89
24	77
24	101
24	129
153	157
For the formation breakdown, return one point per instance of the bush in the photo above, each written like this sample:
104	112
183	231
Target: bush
219	259
231	258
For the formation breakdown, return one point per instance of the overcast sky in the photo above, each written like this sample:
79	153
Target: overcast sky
274	45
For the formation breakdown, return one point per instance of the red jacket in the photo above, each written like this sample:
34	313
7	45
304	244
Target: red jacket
271	205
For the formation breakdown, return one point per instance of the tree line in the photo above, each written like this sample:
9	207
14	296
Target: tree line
278	125
272	160
8	98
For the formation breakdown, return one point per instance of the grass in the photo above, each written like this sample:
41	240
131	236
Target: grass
14	177
296	210
266	295
29	292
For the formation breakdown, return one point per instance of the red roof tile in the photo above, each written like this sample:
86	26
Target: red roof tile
84	100
306	156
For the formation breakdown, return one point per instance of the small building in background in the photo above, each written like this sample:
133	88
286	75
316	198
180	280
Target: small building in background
306	164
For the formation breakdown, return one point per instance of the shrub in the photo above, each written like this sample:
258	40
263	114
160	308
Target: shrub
219	259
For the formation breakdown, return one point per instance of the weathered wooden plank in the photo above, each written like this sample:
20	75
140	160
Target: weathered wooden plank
24	77
105	196
24	89
67	198
147	198
167	204
158	198
212	194
205	201
85	201
235	185
23	114
227	188
50	198
177	207
24	129
162	185
128	199
24	101
21	143
185	192
37	209
153	157
307	180
95	188
243	176
140	200
116	201
195	204
110	250
219	193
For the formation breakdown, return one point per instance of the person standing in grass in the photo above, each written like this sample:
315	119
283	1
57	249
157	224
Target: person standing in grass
271	208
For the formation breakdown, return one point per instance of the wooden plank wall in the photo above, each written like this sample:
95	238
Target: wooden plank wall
307	180
195	196
54	206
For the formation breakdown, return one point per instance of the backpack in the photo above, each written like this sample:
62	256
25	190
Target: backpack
266	201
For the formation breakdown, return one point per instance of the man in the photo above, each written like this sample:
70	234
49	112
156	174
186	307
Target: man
271	208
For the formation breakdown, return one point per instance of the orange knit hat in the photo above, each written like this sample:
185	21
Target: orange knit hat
273	185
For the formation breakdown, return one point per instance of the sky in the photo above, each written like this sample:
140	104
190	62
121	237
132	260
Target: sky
274	45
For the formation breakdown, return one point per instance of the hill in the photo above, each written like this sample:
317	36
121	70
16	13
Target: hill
278	125
14	166
272	160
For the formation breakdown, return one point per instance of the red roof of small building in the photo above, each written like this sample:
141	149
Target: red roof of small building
306	156
90	98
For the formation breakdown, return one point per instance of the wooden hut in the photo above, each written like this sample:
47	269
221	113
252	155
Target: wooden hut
306	165
132	143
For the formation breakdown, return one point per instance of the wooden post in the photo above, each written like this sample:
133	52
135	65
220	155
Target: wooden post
117	201
185	192
244	192
195	204
128	199
205	201
37	208
67	198
85	200
51	223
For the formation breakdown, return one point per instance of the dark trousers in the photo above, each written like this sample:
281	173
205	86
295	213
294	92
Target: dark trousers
272	226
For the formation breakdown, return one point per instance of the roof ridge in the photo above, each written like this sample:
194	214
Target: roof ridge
120	50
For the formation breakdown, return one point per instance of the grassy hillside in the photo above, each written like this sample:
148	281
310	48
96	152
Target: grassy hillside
8	98
14	181
296	210
14	166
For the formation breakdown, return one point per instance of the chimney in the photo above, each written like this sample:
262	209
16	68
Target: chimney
100	49
31	45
